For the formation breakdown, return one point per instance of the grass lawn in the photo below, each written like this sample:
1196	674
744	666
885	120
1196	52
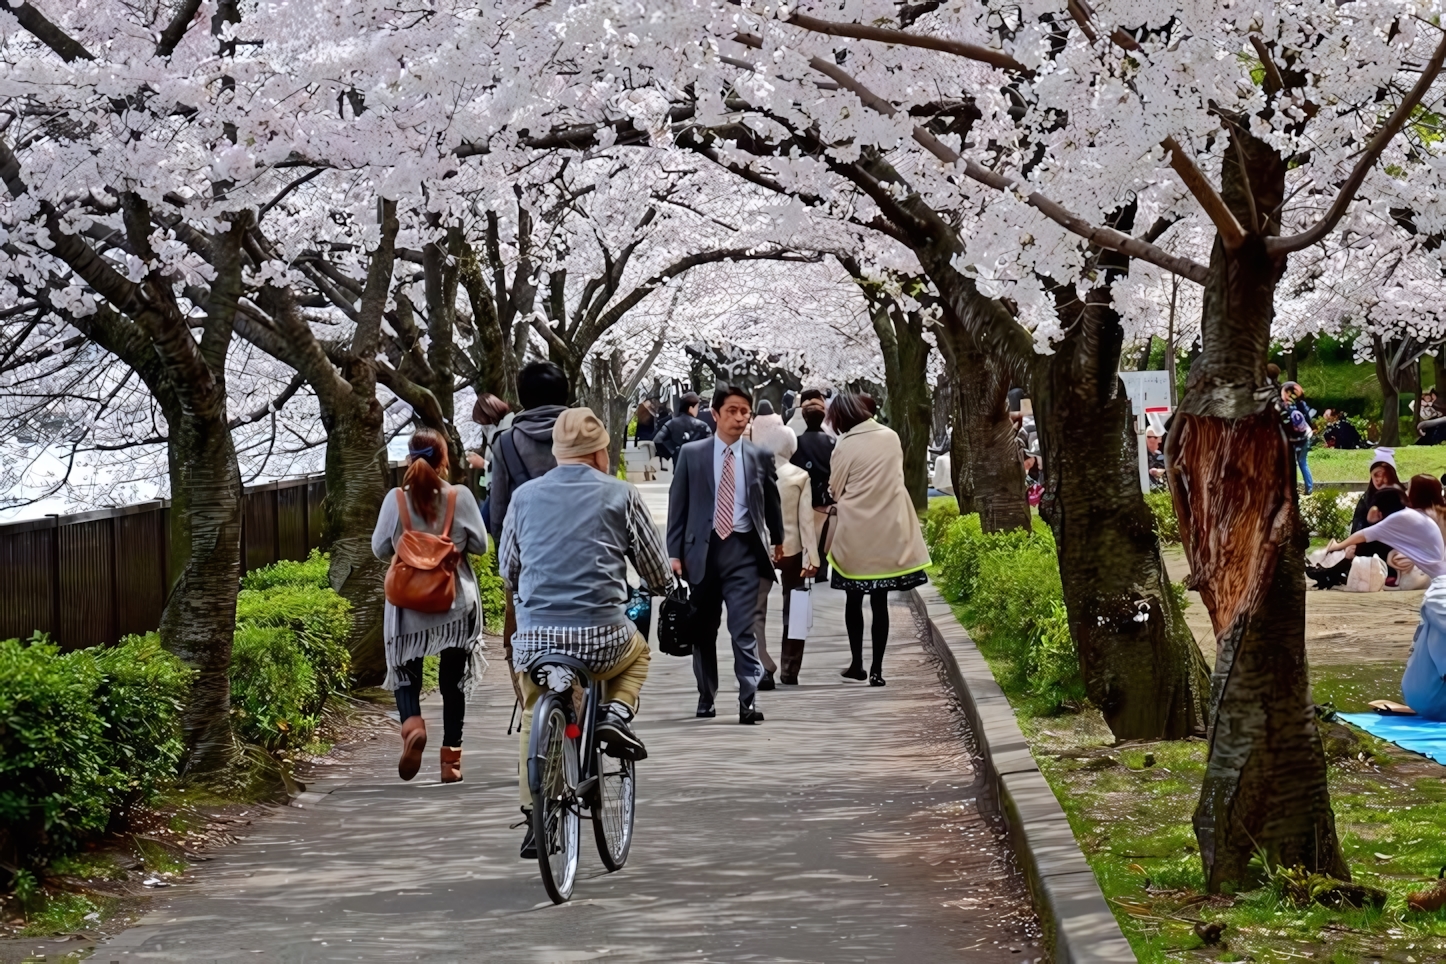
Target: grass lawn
1131	807
1339	465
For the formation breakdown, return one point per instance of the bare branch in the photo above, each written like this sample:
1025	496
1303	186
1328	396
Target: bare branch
1215	207
64	45
984	55
176	29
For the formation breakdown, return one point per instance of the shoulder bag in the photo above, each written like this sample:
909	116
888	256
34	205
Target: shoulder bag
675	618
423	573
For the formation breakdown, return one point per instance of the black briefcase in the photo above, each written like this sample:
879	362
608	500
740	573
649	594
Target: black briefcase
675	623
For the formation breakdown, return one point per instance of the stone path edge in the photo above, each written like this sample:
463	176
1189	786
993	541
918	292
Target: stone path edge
1077	920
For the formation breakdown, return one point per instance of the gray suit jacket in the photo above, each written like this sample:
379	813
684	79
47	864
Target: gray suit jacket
691	503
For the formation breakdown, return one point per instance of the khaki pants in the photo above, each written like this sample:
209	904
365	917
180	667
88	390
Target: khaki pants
622	681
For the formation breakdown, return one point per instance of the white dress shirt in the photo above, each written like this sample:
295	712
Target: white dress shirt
740	482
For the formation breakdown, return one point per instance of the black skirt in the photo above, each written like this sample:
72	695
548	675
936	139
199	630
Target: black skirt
891	583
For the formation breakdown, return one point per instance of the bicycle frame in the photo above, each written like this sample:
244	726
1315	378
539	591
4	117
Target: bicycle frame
586	740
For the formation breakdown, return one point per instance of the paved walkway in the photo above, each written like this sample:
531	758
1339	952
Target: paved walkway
845	828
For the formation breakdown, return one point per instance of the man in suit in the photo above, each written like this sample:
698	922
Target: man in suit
722	506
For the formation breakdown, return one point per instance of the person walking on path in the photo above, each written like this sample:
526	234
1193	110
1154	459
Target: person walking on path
563	556
815	456
523	453
800	543
681	429
722	504
426	503
493	415
878	546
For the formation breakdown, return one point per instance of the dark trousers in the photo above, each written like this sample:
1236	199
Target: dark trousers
449	679
854	623
732	579
790	571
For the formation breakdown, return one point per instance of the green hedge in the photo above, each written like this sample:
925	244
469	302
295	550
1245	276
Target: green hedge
1008	586
1325	516
1167	524
494	596
290	654
84	737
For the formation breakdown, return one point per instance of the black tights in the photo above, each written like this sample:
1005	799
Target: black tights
449	680
854	623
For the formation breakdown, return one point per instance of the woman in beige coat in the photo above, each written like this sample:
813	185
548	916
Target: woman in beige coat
877	545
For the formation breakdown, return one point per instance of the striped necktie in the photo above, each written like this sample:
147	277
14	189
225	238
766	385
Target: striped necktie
723	511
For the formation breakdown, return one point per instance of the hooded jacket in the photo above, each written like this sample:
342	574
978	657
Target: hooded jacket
531	435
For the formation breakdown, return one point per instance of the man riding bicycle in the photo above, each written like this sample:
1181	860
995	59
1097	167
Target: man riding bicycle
563	556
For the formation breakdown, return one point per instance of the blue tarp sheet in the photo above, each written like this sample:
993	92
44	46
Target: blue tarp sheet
1426	737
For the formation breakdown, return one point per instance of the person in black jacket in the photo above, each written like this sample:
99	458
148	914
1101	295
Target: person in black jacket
814	455
681	429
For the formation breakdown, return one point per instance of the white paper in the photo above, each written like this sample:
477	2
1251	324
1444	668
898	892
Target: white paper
800	613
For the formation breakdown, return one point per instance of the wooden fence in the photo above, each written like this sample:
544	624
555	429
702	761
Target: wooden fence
95	576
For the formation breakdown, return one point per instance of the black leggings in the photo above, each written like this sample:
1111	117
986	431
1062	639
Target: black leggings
854	622
449	680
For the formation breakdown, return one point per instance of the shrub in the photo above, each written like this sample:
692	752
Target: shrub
1167	524
489	585
1008	583
84	736
310	572
290	654
1323	513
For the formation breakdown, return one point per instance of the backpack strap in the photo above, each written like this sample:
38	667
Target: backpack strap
516	470
451	509
402	510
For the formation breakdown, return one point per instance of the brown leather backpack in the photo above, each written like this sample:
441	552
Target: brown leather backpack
423	574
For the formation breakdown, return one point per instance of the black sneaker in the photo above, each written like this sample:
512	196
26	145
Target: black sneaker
615	732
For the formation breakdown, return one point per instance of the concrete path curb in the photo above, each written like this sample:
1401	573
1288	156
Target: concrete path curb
1076	918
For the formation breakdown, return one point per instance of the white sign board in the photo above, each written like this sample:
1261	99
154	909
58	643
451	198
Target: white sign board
1149	394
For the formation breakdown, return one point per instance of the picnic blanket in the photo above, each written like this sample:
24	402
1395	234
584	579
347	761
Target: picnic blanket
1426	737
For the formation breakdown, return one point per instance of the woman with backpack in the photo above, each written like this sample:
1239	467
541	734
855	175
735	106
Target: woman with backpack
433	606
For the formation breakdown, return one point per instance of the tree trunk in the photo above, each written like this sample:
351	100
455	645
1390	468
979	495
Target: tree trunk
1233	482
356	483
1140	663
1438	365
906	390
199	619
1390	412
995	476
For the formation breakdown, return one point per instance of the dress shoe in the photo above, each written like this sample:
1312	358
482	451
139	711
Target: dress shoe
767	682
854	672
414	743
788	680
451	764
749	714
877	679
615	732
705	711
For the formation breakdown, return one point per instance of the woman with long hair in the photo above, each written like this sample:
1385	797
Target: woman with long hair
1368	508
433	506
1415	536
878	546
1424	495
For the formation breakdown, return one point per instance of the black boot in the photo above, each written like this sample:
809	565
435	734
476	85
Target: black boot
529	843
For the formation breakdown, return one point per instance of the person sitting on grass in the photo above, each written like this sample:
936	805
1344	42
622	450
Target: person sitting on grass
1414	535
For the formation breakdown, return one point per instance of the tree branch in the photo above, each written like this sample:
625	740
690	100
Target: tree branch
984	55
1231	233
292	387
64	45
1367	160
176	29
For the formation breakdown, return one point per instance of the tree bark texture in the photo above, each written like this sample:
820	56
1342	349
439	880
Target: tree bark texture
1233	483
1140	663
199	619
991	472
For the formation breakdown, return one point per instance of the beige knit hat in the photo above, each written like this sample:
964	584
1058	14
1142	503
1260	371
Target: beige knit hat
578	432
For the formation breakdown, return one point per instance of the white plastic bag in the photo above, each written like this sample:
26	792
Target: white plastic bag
1368	574
800	613
1325	560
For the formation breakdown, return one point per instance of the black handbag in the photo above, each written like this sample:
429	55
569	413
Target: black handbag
675	618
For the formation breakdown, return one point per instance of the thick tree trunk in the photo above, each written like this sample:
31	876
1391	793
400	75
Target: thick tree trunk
356	483
199	619
906	393
995	476
1390	416
1233	483
1140	663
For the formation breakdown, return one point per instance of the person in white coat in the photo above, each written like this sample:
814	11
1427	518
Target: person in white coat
801	559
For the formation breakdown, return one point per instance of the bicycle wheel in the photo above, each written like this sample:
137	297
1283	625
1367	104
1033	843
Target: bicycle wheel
552	776
612	812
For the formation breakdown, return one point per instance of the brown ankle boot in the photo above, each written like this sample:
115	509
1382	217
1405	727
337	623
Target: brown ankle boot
451	764
414	742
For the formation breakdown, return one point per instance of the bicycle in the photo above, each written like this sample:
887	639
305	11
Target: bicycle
566	772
